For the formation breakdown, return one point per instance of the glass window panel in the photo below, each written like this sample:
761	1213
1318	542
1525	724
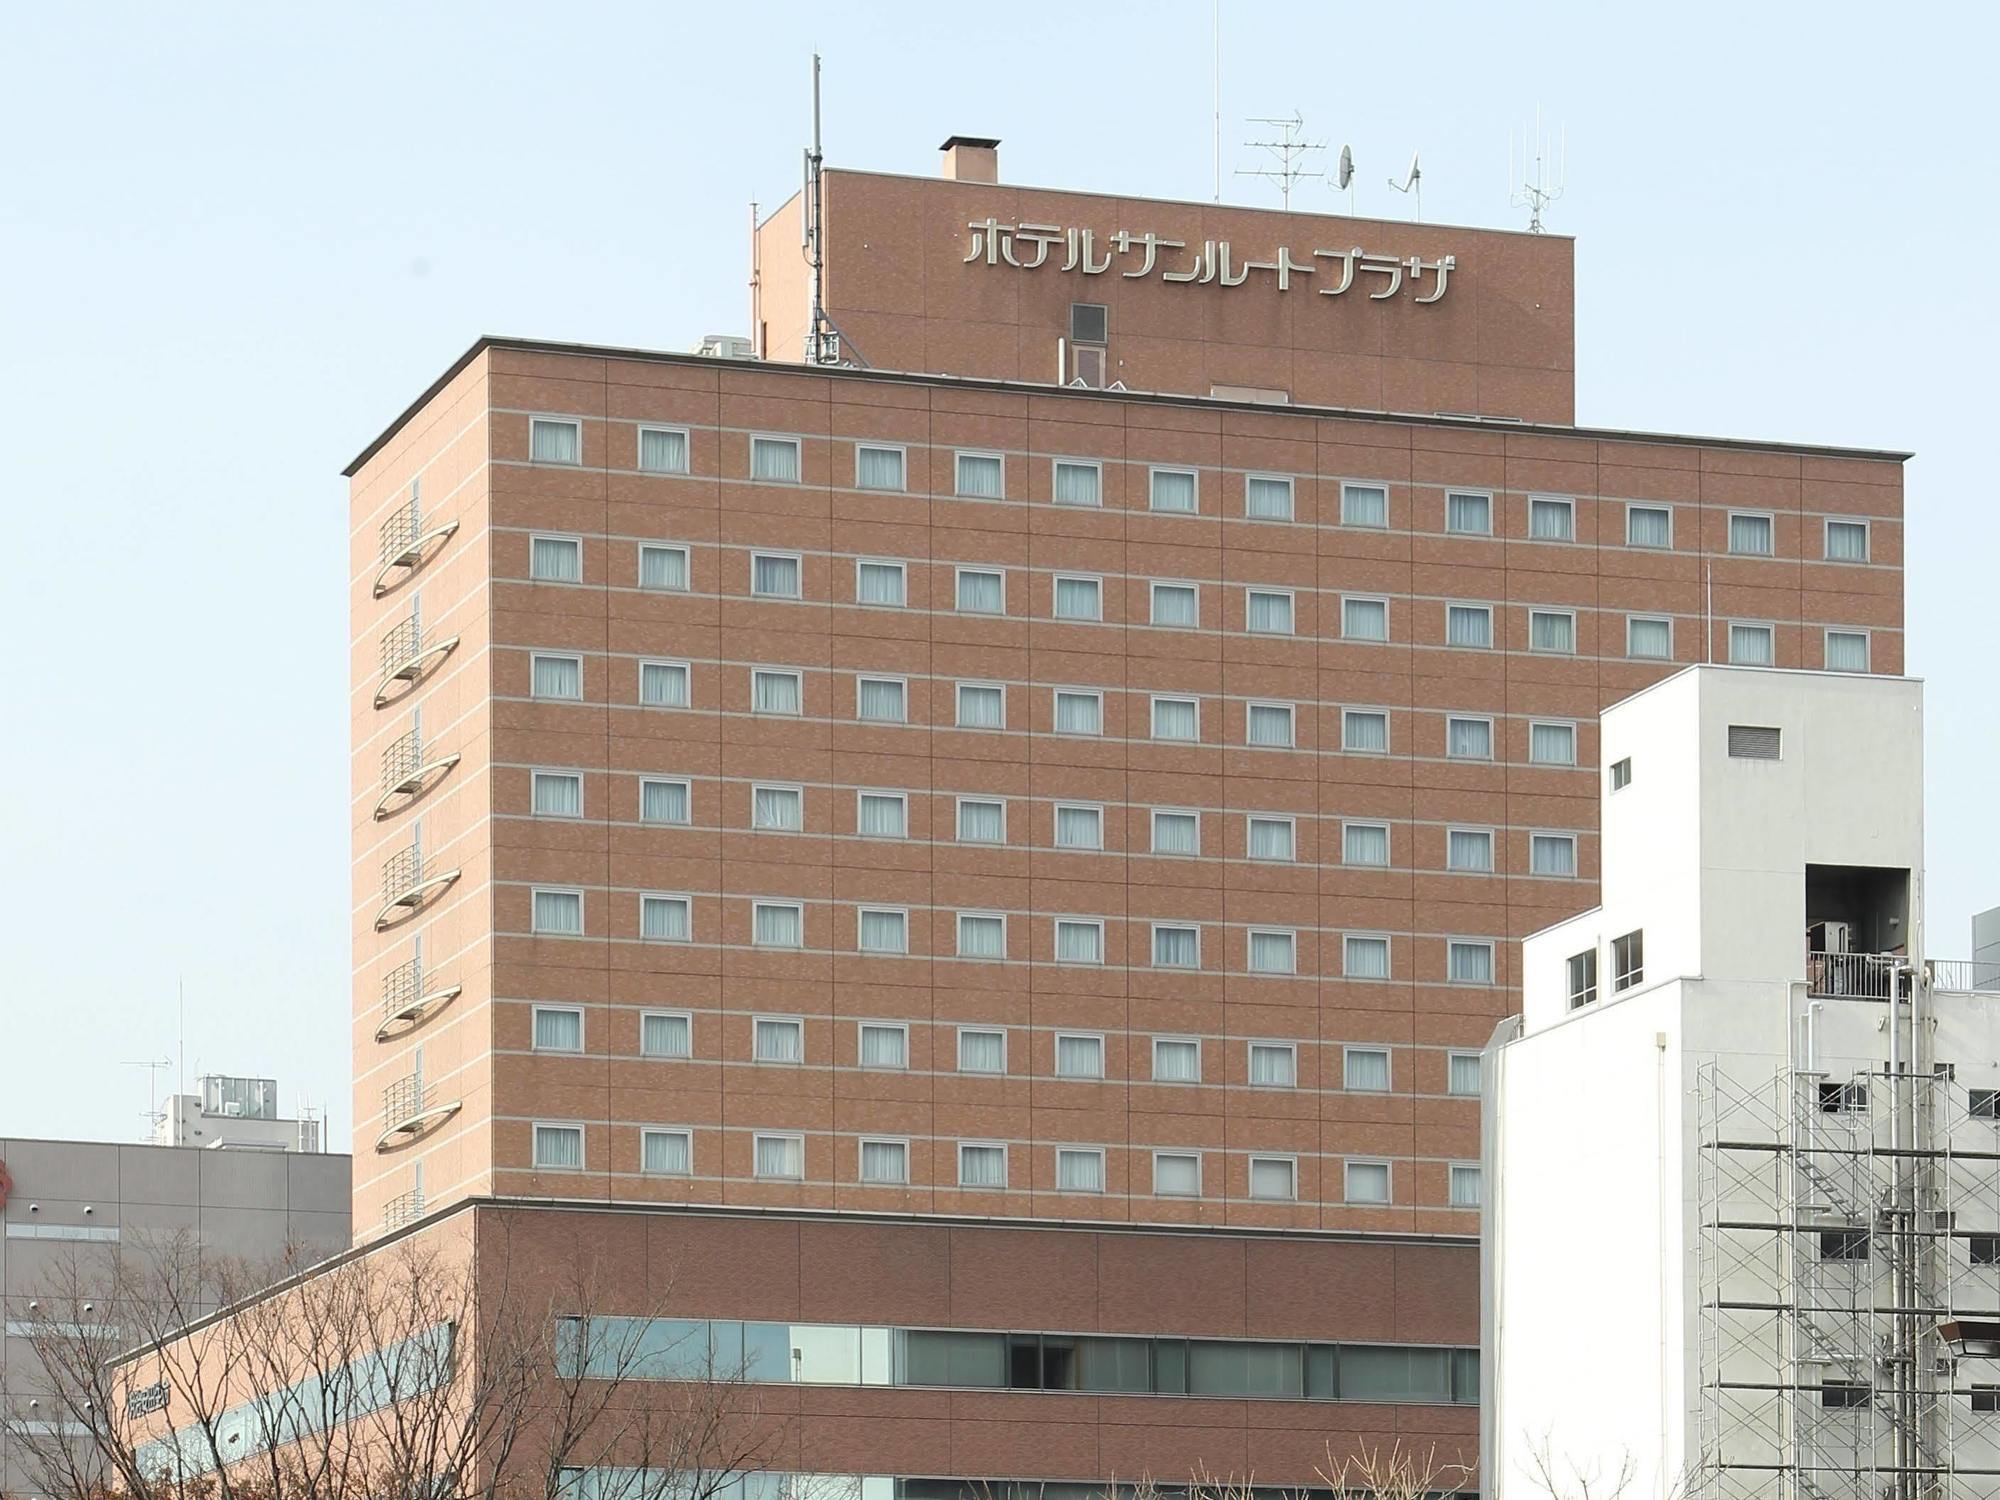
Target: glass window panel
1274	1177
774	577
1366	1068
1273	1065
555	559
1469	963
663	450
1846	651
1176	947
1273	953
1551	631
777	807
1176	833
1176	1174
981	592
1079	599
878	468
1173	490
1551	520
558	794
559	912
1174	604
1468	514
1469	849
1268	612
1367	1182
1267	497
1649	526
1750	535
664	918
559	1146
666	1152
1175	719
880	700
1364	505
1364	844
774	926
663	568
1552	744
981	1051
952	1358
880	583
1386	1373
1243	1368
1272	838
982	1166
1364	619
663	801
885	1047
551	442
1649	639
1465	1073
982	936
1365	957
1176	1060
981	822
1080	1171
1365	730
1079	713
1751	645
1079	828
1079	1057
881	815
885	1161
1469	739
1465	1187
774	692
981	707
1079	943
556	677
663	1034
980	476
1269	724
1552	854
1847	541
774	459
884	932
1078	484
781	1156
778	1041
663	684
1469	625
558	1030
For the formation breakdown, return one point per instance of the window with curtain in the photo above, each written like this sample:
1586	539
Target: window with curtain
1750	535
1079	1056
558	1029
554	442
664	919
1551	630
1551	520
666	1153
559	1147
1175	719
664	568
1847	651
982	936
980	476
1273	952
1079	599
982	1051
982	1166
1364	619
1649	526
663	450
1274	1178
1176	947
880	583
1364	505
1172	490
1267	497
981	707
1468	625
1269	724
877	468
1464	1186
781	1156
1271	838
1847	541
880	700
774	692
555	676
1176	1174
1079	943
1079	827
776	926
1176	1060
1267	612
1648	638
882	815
1552	854
663	801
1469	849
884	1046
1274	1065
558	794
1752	645
1079	1171
885	1161
1552	744
555	559
981	821
1367	1182
1468	739
774	459
1364	730
1176	833
1174	604
1364	843
558	912
663	684
781	808
1079	713
1468	514
1365	1069
1365	957
884	932
1078	483
666	1034
778	1040
1463	1078
981	592
773	576
1469	963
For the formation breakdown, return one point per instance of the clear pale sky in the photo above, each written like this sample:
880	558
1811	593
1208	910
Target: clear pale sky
236	239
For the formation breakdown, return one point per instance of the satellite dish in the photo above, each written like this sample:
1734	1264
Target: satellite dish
1346	174
1410	178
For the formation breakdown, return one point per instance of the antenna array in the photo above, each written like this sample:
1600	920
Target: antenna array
1539	174
1290	151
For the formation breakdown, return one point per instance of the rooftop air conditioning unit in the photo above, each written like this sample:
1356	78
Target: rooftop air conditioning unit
1829	937
727	346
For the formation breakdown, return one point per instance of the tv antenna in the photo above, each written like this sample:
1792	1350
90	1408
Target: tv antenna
1343	177
1290	151
824	345
1540	173
1413	182
154	1114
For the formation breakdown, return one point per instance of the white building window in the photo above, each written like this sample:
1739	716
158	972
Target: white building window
1649	526
774	460
666	1153
1364	731
557	794
775	692
1468	513
882	930
1268	497
1176	946
555	559
1551	518
882	815
1469	849
1078	598
1267	611
982	1166
1753	645
1079	825
1176	832
980	476
1552	853
1463	1076
666	1033
1649	638
1172	490
1552	630
1468	739
881	700
1847	541
1364	843
1628	961
1176	1174
1269	837
982	820
1580	975
558	1148
778	1039
982	935
1176	604
665	919
555	440
1364	505
1274	1178
886	1162
1274	1065
1079	1169
662	801
1079	1055
1552	744
551	676
1079	712
981	591
883	1044
1176	1060
1464	1185
1365	1070
663	684
663	569
1469	626
879	467
558	913
1078	483
774	575
1364	957
781	1158
1469	961
558	1028
1621	774
1079	941
981	706
1273	950
777	924
1367	1182
1270	725
1847	651
882	584
1364	619
1750	534
778	809
981	1050
663	450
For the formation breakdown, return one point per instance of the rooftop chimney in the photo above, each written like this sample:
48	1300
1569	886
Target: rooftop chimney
971	158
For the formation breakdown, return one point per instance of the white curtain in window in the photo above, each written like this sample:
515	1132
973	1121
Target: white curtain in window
885	1161
664	918
665	1036
1076	484
1846	651
982	1052
555	559
1548	631
1648	526
554	442
1079	599
1176	1175
663	801
1750	645
663	451
1469	739
780	1156
1079	943
558	1030
1173	489
779	1041
1271	838
1364	619
1364	731
557	677
1649	639
1176	947
982	1166
880	700
879	468
663	568
1274	1067
1174	719
777	926
1080	1171
1273	952
1471	515
1079	713
1465	1187
879	583
1465	1070
668	1152
558	796
1467	625
774	692
1750	534
1273	1177
980	476
663	684
1470	963
1846	541
1552	854
882	816
1176	833
1367	1182
1079	828
982	937
1551	520
981	707
1176	1061
1268	613
1366	1069
1364	505
774	459
1267	497
1552	744
1173	604
1366	958
885	932
885	1047
981	822
981	593
1469	849
1269	724
559	912
1079	1057
1364	844
558	1146
774	577
777	807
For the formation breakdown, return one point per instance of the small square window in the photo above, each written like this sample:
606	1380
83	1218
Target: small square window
1628	961
1176	832
1078	598
555	440
1468	739
1176	946
663	450
1078	483
1469	849
1847	541
1080	1170
1649	638
882	584
882	930
558	1028
773	691
1364	619
1365	957
1465	1185
663	684
666	1033
557	913
1552	854
558	1148
982	935
1983	1249
1751	535
1364	731
1176	1060
1079	825
982	820
1079	712
980	476
666	1153
1274	1065
1175	604
1468	513
1367	1182
886	1162
1365	1070
555	559
1469	961
1551	744
879	467
1274	1179
1580	976
774	575
1621	774
774	460
881	700
1079	942
881	1044
1847	651
1267	611
1469	626
1273	950
1753	645
1552	630
1463	1078
779	809
1079	1055
981	591
665	919
777	924
1270	725
981	706
1364	505
1364	843
882	815
558	794
779	1158
982	1166
1172	490
1176	719
778	1039
1649	526
981	1050
663	569
555	677
1551	519
1983	1104
663	801
1268	497
1176	1174
1271	838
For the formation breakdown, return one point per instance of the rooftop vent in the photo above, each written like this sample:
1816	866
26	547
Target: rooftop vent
1753	742
971	158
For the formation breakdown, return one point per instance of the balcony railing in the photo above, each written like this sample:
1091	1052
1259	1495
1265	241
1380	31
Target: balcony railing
409	883
407	544
409	652
1967	975
407	775
406	1099
405	1208
409	995
1853	976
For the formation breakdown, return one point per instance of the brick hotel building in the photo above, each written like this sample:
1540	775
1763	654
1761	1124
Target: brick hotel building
995	861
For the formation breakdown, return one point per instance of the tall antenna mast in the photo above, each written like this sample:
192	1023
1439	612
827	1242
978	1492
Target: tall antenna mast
1291	151
822	343
1540	175
1218	101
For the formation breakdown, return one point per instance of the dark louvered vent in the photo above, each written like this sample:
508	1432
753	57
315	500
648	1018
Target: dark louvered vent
1753	742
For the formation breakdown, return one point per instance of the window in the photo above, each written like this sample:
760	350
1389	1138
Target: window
778	1039
1983	1104
1843	1098
1273	951
666	1153
881	700
981	591
1367	1182
1847	651
663	684
1364	505
1176	1060
981	1051
1847	541
558	913
881	930
1176	947
882	1045
1843	1244
982	1166
1079	1170
1079	598
1580	973
663	801
1649	638
1552	853
1176	832
1986	1398
1176	719
664	919
780	808
1621	774
1270	724
774	576
557	794
559	1148
1753	742
1172	490
1552	744
1365	957
981	821
1176	1174
1364	731
775	692
1465	1185
1079	712
981	706
1079	1055
1983	1249
1551	630
982	935
1079	826
663	450
980	476
1267	611
775	460
558	1028
1649	526
1365	1070
555	559
1551	519
777	924
1750	534
1268	497
664	569
782	1157
555	676
1468	739
1469	849
1364	619
1364	843
1468	961
1467	513
1628	961
1079	942
879	468
1275	1178
1274	1065
1752	645
1463	1075
555	440
1271	838
1078	483
1843	1395
882	815
1175	604
884	584
666	1033
1469	626
885	1161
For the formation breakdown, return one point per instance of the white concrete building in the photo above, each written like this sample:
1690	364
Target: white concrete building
1743	1144
235	1114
